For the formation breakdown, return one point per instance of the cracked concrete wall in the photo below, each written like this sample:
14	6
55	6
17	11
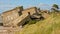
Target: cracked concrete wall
12	18
1	19
10	15
32	10
24	17
20	20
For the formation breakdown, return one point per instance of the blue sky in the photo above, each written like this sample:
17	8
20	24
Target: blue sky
10	4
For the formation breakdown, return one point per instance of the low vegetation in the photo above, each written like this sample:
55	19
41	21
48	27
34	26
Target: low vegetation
50	25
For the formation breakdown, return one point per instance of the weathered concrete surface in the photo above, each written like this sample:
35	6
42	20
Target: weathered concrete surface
45	15
9	30
1	19
24	17
36	16
12	18
10	15
20	20
32	10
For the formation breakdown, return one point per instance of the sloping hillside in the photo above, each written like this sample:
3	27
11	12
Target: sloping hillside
51	25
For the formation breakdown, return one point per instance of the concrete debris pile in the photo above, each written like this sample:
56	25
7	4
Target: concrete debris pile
18	16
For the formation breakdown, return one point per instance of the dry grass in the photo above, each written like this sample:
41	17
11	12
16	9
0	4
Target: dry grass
51	25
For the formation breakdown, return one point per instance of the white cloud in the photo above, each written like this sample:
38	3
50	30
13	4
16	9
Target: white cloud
30	5
43	4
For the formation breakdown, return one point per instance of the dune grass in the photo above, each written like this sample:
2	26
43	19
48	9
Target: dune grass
50	25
